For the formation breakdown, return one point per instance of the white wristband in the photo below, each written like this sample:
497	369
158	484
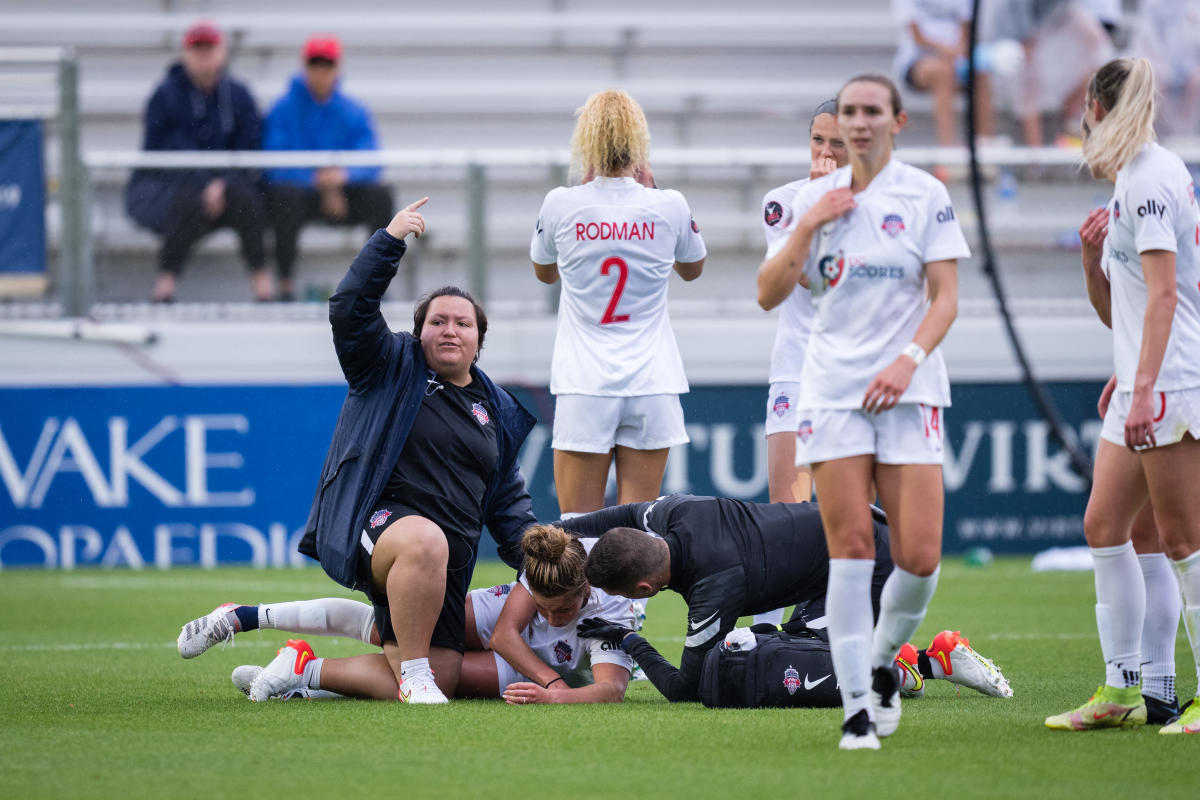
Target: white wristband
914	351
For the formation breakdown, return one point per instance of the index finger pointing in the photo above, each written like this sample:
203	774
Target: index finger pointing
418	204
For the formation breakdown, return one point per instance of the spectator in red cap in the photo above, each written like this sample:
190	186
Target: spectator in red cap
314	114
199	107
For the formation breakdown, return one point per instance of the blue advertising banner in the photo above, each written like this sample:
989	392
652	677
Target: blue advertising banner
156	477
22	198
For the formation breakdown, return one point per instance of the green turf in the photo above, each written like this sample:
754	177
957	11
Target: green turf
97	703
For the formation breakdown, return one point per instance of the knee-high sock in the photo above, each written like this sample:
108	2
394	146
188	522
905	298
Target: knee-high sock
327	616
1188	572
1160	627
901	608
848	610
1120	610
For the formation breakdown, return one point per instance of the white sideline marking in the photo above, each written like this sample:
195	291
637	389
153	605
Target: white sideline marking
321	584
66	647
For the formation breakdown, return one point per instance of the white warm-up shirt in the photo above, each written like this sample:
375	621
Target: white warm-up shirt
561	648
616	243
866	272
940	21
1153	207
796	310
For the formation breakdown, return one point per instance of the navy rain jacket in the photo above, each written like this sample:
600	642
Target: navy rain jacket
388	377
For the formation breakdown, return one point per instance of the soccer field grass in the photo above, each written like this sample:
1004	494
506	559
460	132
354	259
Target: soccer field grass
99	704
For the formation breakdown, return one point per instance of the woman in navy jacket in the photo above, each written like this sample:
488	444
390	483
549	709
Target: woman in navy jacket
424	454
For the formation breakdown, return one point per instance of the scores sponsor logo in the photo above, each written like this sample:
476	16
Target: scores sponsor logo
614	231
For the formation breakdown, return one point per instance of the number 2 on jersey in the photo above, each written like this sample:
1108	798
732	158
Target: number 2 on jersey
622	275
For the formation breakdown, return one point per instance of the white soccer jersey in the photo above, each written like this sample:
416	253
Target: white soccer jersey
866	273
561	648
1153	207
796	311
616	243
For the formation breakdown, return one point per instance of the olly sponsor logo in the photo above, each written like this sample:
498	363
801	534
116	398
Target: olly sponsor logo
1151	207
946	214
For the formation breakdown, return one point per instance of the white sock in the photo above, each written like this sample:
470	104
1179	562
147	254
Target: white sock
1188	572
848	610
571	514
771	617
327	616
901	608
312	673
1120	611
1160	627
414	666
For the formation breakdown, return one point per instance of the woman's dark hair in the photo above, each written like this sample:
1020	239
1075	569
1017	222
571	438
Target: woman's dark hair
422	310
620	558
554	561
882	80
827	107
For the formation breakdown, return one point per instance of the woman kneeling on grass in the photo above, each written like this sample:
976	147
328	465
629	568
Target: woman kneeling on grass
528	626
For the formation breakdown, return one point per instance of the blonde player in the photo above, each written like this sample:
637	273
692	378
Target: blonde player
1148	447
616	372
522	643
878	243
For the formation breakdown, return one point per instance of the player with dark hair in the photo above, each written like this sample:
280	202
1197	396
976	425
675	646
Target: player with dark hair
730	558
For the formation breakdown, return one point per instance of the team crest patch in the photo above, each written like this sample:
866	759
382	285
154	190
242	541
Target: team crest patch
562	652
695	227
772	213
805	431
791	680
380	517
480	413
893	224
1116	209
781	405
500	590
832	266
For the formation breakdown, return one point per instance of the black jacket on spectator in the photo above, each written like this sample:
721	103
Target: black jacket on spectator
388	377
181	117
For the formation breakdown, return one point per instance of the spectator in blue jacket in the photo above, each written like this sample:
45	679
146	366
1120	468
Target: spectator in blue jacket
199	107
315	115
424	455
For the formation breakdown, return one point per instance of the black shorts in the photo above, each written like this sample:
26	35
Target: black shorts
815	609
450	631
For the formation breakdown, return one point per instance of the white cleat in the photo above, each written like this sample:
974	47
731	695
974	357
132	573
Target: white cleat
966	667
885	700
285	674
420	688
858	733
203	632
244	676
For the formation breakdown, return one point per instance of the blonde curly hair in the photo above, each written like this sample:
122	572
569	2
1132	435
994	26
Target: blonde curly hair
610	136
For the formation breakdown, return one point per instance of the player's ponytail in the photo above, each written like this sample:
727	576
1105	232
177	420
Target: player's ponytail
1124	87
611	135
554	561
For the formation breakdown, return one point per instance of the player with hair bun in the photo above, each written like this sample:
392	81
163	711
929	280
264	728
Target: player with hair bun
529	627
878	243
616	371
1141	260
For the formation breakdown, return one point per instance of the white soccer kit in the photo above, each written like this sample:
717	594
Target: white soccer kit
559	647
1153	207
616	243
796	310
866	274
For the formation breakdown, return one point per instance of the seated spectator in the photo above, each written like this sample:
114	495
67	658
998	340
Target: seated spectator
199	107
315	115
932	57
1167	33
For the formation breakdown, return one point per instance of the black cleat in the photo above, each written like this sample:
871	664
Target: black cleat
858	733
1160	712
